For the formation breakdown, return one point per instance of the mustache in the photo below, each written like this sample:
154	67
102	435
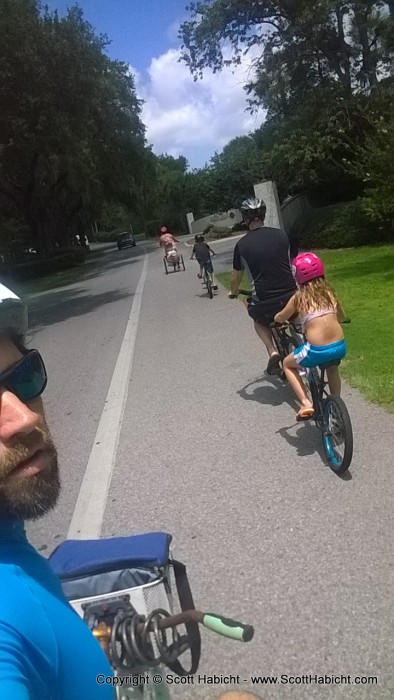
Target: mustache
39	439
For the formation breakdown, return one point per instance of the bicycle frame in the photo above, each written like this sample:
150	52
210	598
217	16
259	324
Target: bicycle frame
317	381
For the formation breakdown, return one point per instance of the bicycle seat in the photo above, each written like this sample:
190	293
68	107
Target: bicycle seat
333	363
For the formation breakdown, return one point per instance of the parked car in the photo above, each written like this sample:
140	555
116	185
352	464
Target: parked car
125	239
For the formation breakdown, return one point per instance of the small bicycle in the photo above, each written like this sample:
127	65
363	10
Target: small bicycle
331	415
137	602
207	281
174	261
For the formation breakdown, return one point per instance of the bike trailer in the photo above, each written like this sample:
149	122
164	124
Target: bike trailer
137	568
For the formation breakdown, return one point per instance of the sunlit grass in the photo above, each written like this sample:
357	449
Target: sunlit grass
364	280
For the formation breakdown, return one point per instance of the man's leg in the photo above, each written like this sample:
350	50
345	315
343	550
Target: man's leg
334	380
265	335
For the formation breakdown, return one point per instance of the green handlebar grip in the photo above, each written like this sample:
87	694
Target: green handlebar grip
228	628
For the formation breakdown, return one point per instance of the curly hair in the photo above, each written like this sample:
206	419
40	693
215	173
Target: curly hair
315	295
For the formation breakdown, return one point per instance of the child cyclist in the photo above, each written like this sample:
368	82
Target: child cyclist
321	314
202	252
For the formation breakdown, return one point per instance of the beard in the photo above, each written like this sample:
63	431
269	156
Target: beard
30	497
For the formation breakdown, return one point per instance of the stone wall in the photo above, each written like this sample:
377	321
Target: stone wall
222	220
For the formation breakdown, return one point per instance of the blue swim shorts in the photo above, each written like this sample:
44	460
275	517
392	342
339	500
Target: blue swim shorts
308	355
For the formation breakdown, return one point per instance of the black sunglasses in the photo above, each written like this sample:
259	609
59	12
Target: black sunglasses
27	379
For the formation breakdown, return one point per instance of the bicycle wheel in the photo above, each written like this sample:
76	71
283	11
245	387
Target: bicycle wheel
337	434
165	266
209	288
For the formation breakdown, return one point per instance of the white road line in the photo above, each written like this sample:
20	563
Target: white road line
89	510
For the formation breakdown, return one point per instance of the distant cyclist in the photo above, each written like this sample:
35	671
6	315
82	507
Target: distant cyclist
202	252
167	240
264	254
46	650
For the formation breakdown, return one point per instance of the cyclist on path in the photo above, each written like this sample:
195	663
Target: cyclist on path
320	313
264	254
202	252
167	240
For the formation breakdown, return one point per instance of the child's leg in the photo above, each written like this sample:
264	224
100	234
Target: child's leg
290	367
334	380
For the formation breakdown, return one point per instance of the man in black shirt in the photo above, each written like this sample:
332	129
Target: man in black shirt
264	254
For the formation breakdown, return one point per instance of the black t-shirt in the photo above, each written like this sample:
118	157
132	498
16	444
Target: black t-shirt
201	251
265	256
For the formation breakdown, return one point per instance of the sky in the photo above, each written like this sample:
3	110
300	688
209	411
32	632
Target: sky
182	117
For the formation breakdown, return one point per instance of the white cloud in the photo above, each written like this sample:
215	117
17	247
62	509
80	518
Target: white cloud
194	118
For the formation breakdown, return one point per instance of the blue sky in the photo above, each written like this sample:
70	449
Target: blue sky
181	116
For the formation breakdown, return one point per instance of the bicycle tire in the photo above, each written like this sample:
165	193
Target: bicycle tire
209	288
165	267
333	404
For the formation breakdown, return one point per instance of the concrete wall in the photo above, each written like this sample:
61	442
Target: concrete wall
268	193
277	216
221	220
292	209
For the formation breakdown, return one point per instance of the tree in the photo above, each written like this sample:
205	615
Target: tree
233	173
304	45
76	138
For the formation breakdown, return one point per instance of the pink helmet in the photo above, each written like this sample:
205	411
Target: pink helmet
307	266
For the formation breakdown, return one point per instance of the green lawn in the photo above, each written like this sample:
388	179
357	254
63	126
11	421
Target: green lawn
364	280
61	278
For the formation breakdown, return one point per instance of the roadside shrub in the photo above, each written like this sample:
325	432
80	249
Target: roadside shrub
68	257
219	232
106	236
241	226
342	225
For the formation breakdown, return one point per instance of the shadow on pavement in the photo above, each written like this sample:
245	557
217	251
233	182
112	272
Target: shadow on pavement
306	440
55	307
268	390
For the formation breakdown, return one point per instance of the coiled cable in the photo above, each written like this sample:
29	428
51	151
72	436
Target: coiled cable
131	647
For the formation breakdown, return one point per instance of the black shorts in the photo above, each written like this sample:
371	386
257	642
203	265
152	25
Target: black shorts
207	264
263	312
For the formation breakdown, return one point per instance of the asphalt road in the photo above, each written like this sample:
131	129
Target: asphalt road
209	450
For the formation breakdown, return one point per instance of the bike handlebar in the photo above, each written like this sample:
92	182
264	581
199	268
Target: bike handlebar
216	623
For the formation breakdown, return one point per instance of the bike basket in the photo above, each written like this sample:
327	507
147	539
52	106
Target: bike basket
137	566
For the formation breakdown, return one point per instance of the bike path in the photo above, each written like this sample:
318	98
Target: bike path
210	451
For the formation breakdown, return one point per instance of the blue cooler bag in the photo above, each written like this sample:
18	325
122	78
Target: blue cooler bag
137	566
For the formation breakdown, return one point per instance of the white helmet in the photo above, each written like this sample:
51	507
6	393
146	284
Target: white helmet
253	208
13	314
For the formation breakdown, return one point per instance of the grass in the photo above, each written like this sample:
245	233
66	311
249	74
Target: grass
364	280
61	278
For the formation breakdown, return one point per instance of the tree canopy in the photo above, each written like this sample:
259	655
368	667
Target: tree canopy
70	128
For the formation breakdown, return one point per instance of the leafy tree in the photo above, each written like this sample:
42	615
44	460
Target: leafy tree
304	45
233	173
76	135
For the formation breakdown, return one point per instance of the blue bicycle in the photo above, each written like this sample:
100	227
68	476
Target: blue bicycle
331	415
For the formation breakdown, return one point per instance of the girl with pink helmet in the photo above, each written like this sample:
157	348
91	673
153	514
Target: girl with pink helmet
320	312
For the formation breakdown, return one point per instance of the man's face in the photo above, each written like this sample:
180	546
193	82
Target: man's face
29	476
